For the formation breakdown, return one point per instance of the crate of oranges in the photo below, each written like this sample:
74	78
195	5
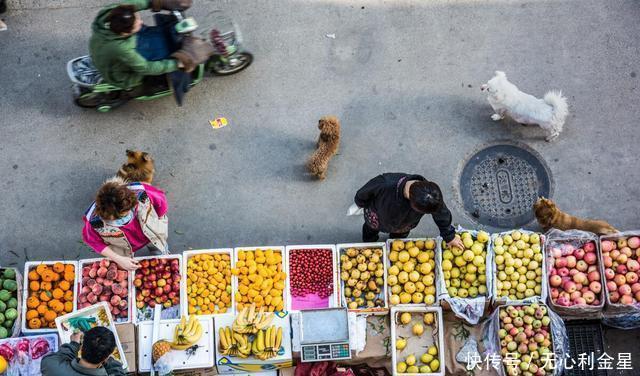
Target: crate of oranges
208	285
49	291
260	278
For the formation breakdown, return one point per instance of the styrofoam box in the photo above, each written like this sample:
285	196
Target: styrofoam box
263	248
205	354
377	310
25	293
134	311
185	258
502	300
130	296
334	300
415	342
437	239
81	313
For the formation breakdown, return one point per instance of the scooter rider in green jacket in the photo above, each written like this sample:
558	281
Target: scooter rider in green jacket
113	44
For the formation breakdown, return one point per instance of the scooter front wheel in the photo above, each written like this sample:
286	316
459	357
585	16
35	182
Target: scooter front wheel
225	66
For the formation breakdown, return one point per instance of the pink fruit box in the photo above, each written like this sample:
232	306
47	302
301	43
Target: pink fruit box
130	297
25	293
333	300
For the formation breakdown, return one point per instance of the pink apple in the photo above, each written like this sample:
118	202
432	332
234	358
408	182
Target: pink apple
607	261
589	247
589	297
635	287
595	286
614	297
571	261
621	269
555	280
591	268
563	272
575	295
611	286
626	299
580	301
570	287
614	254
607	246
622	258
596	302
556	252
561	262
580	278
590	258
567	249
637	296
619	279
622	242
609	274
633	265
633	242
624	290
584	290
554	293
626	251
579	253
593	276
573	272
582	266
553	271
631	278
562	301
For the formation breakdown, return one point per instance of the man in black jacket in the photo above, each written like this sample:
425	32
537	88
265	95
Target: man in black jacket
97	346
395	203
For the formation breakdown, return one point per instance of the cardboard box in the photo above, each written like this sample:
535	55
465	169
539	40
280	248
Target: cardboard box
230	364
127	335
196	372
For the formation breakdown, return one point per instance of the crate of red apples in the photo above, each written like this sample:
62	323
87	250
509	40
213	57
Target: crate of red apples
621	262
102	280
157	282
574	272
311	274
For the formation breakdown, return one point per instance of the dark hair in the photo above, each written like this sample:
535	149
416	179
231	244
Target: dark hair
122	18
425	197
113	199
97	344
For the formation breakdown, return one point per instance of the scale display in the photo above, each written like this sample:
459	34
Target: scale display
324	335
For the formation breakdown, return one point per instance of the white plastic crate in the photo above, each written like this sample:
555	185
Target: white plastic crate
185	259
130	297
334	299
420	342
25	293
377	310
280	249
134	289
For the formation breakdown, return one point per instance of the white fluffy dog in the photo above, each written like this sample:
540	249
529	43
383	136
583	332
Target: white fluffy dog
505	98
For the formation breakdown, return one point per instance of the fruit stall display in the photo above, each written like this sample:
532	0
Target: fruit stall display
22	355
621	265
10	300
575	283
207	288
157	282
518	258
260	277
188	342
85	319
417	337
102	280
49	291
411	271
362	268
525	338
311	276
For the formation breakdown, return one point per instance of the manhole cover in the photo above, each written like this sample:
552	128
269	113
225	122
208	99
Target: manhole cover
500	183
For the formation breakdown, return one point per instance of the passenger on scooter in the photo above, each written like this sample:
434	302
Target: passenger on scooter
113	45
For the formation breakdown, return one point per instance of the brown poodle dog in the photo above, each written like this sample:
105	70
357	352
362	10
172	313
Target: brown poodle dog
139	167
327	146
550	216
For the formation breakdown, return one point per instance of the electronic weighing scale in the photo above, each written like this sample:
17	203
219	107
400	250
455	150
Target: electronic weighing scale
324	335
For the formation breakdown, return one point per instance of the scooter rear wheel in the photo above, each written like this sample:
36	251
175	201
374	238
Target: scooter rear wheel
234	64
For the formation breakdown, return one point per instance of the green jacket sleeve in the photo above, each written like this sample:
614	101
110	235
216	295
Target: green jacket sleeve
51	363
114	368
140	65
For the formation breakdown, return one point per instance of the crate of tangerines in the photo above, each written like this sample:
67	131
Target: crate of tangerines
49	291
208	285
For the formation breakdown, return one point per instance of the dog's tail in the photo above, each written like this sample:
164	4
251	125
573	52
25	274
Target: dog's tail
555	99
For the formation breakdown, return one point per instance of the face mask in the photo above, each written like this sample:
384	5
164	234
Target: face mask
121	221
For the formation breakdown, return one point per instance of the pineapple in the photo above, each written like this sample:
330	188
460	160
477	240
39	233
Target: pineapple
159	349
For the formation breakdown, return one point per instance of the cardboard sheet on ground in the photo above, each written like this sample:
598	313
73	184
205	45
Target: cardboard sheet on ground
456	333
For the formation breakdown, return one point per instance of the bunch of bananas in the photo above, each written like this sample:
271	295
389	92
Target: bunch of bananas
187	333
234	344
249	322
267	343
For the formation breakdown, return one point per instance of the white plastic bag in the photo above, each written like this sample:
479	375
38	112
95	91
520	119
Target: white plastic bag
354	210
